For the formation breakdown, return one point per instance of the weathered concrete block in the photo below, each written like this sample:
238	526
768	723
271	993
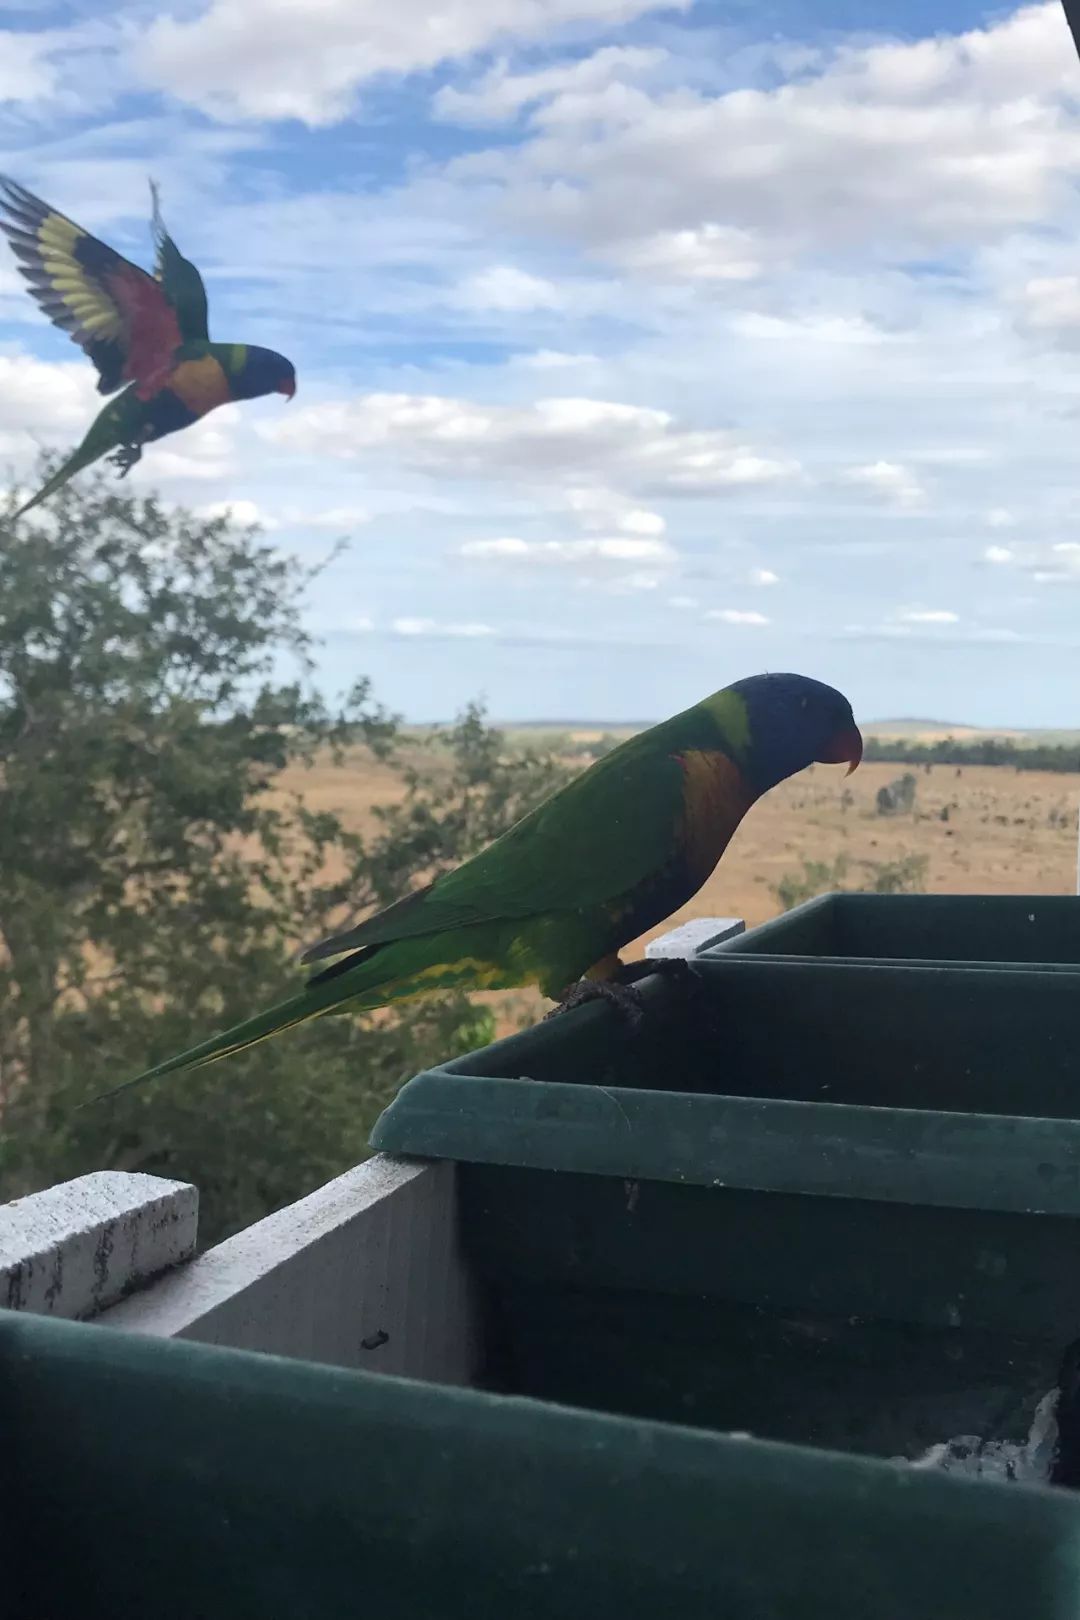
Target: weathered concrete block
77	1248
695	936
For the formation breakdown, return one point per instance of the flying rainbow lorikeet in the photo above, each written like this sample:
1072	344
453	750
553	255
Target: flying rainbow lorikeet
554	900
146	331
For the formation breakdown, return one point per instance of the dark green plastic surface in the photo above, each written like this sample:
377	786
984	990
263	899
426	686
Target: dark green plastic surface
835	1203
856	1278
928	927
914	1156
875	1328
142	1478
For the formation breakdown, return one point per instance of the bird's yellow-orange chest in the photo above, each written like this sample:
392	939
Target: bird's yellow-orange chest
201	384
715	799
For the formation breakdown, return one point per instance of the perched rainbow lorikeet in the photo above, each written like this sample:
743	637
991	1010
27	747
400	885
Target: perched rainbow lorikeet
146	331
612	854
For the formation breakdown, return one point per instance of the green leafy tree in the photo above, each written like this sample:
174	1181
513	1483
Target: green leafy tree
155	881
816	877
905	875
898	798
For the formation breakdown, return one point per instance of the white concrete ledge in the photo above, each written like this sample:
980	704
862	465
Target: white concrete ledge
694	936
364	1272
77	1248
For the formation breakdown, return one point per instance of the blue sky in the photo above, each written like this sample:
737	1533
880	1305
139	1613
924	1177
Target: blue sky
640	347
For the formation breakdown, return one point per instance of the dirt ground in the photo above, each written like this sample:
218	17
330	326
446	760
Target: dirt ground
1006	832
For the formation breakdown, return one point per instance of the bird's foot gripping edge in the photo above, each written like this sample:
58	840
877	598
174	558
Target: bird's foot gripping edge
620	993
624	998
126	457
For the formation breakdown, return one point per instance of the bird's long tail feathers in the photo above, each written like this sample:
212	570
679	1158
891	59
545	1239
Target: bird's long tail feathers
79	459
469	958
314	1001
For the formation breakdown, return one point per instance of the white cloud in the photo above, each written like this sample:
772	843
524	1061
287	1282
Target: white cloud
508	290
264	59
851	330
202	453
175	466
638	521
868	259
508	546
737	616
928	616
55	399
921	635
894	483
244	513
1054	564
413	627
889	145
615	549
555	360
26	73
469	631
598	508
501	94
560	439
334	517
708	252
53	403
1050	306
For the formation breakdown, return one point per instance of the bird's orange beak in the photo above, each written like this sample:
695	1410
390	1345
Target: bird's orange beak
844	746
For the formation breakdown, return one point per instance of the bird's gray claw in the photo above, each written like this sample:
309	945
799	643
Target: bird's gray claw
125	458
624	998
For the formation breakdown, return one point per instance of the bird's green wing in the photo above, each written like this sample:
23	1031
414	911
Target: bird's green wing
596	840
180	280
115	312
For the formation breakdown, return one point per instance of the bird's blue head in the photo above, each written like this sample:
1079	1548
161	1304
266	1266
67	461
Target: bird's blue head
256	372
793	722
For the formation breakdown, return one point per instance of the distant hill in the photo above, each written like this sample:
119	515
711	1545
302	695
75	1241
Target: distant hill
904	725
927	730
903	729
930	731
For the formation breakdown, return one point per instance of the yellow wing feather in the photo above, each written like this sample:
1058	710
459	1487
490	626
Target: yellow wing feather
116	312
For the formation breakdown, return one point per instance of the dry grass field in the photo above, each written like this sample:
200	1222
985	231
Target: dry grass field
1006	832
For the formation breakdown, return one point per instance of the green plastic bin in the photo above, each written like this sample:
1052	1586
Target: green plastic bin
974	928
877	1287
835	1204
146	1478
